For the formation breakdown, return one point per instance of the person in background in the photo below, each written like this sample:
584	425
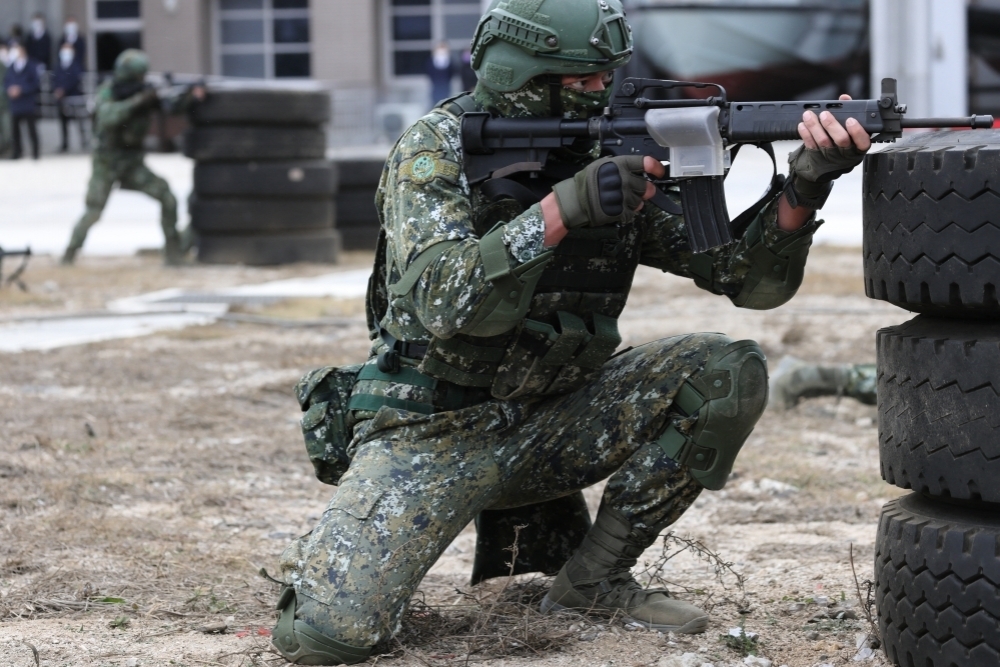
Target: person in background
71	35
22	86
16	34
440	70
39	42
67	80
4	105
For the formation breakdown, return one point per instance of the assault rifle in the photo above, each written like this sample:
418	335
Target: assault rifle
16	276
699	138
169	93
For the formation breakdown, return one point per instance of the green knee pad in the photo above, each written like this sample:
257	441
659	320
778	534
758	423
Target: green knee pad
300	644
729	397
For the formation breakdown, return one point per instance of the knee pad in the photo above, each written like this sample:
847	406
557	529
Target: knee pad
301	644
729	396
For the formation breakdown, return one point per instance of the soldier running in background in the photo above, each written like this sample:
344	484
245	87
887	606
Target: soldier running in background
124	108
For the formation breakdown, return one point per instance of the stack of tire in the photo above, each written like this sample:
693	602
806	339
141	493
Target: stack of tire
263	190
932	246
357	217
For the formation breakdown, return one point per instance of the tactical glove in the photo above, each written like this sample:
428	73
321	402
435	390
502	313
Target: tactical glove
605	192
811	172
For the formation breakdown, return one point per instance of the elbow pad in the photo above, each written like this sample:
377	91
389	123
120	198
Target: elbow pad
513	286
776	272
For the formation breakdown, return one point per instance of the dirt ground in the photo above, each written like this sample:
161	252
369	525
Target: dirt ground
145	481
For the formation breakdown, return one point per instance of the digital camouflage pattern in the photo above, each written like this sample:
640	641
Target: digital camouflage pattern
417	480
443	207
119	128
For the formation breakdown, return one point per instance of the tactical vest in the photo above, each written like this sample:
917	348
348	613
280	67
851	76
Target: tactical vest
569	331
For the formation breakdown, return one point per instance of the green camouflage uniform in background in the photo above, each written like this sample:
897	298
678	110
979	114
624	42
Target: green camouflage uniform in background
416	480
795	379
120	126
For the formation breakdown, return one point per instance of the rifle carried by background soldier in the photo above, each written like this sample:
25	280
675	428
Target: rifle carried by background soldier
15	277
699	137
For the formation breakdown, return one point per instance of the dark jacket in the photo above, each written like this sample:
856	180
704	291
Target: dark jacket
39	48
79	50
27	103
68	78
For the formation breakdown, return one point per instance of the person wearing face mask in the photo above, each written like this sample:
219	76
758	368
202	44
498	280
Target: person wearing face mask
22	85
440	71
493	392
39	42
67	88
5	138
71	35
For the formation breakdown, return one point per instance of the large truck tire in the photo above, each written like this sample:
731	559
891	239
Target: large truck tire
255	142
356	208
937	583
278	106
360	173
932	224
252	215
266	249
939	407
284	178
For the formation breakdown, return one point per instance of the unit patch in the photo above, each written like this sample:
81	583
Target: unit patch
425	167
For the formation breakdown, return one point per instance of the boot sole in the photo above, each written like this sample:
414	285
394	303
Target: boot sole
694	626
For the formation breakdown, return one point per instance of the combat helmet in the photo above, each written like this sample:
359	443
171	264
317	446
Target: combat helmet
517	40
131	65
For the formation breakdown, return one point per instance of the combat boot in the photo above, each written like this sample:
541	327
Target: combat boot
69	256
173	255
599	578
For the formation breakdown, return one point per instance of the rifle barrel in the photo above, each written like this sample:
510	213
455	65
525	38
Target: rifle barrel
974	122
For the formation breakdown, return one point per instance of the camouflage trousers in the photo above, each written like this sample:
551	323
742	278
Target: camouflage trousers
417	480
128	169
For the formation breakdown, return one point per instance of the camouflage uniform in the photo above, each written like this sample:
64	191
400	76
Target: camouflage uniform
794	380
120	127
416	480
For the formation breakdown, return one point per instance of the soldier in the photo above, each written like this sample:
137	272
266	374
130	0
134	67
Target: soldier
6	135
122	115
795	379
493	391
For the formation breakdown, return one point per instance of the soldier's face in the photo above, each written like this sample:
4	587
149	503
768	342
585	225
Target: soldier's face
588	83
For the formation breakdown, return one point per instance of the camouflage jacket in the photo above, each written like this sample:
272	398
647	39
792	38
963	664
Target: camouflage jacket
120	124
424	199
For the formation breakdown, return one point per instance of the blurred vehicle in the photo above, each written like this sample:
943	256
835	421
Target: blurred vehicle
755	49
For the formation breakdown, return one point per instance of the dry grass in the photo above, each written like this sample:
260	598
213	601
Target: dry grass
165	471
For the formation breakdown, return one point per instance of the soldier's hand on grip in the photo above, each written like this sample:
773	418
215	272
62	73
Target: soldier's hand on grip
607	191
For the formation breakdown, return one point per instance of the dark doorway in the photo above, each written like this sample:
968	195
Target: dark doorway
110	44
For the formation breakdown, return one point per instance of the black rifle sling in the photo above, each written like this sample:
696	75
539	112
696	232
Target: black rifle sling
740	223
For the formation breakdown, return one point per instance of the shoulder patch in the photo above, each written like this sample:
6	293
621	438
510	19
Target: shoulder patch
426	166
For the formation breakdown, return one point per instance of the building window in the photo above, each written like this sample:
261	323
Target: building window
117	25
263	39
413	27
